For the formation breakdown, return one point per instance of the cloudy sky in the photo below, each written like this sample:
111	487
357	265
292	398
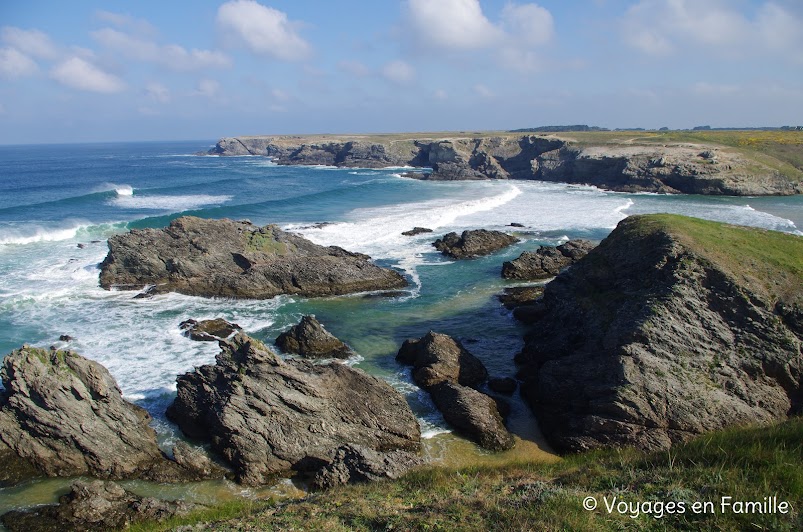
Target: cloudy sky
147	70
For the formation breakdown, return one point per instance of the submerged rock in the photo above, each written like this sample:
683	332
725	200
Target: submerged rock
208	330
266	416
310	340
668	329
95	505
546	261
473	243
438	357
516	296
63	415
225	258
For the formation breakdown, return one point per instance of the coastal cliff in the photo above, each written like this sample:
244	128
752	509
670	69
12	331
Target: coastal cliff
671	327
618	164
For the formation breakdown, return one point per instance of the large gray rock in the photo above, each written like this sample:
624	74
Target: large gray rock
437	357
63	415
671	327
309	339
225	258
208	330
95	505
472	413
266	416
546	261
473	243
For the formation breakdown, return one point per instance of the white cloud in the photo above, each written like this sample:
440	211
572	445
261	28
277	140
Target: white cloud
440	94
137	25
209	88
14	64
483	91
171	56
354	68
452	24
82	75
280	95
263	30
157	92
30	42
663	27
398	72
530	24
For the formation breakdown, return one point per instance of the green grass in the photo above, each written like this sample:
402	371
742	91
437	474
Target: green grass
746	464
769	262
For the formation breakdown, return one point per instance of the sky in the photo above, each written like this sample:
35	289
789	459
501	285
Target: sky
93	71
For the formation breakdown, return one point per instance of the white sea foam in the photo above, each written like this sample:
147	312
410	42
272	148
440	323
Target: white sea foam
168	203
37	234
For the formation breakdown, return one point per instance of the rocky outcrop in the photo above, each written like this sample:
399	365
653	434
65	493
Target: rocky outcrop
546	261
95	505
448	371
208	330
266	416
516	296
63	415
473	413
638	164
438	357
310	340
353	463
225	258
671	327
473	243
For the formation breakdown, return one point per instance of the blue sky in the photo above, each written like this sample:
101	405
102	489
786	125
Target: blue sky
146	70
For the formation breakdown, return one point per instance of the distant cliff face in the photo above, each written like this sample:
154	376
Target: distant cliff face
671	327
626	168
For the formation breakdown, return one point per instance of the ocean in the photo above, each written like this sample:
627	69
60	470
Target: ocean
59	204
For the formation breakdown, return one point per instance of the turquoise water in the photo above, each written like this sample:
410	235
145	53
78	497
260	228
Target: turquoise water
53	198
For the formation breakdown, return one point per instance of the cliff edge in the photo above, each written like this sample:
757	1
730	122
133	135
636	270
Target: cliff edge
626	164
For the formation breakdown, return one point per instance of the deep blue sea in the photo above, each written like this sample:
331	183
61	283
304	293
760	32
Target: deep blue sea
59	204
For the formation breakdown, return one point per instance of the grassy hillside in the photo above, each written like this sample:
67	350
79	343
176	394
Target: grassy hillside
770	263
747	464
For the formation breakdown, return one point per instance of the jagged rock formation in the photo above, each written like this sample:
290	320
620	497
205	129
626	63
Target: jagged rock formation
208	330
448	371
266	416
515	296
63	415
95	505
310	340
473	243
546	261
671	327
225	258
416	231
629	166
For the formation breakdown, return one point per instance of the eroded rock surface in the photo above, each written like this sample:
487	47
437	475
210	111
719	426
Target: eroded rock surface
266	416
473	413
353	463
670	328
208	330
63	415
473	243
225	258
